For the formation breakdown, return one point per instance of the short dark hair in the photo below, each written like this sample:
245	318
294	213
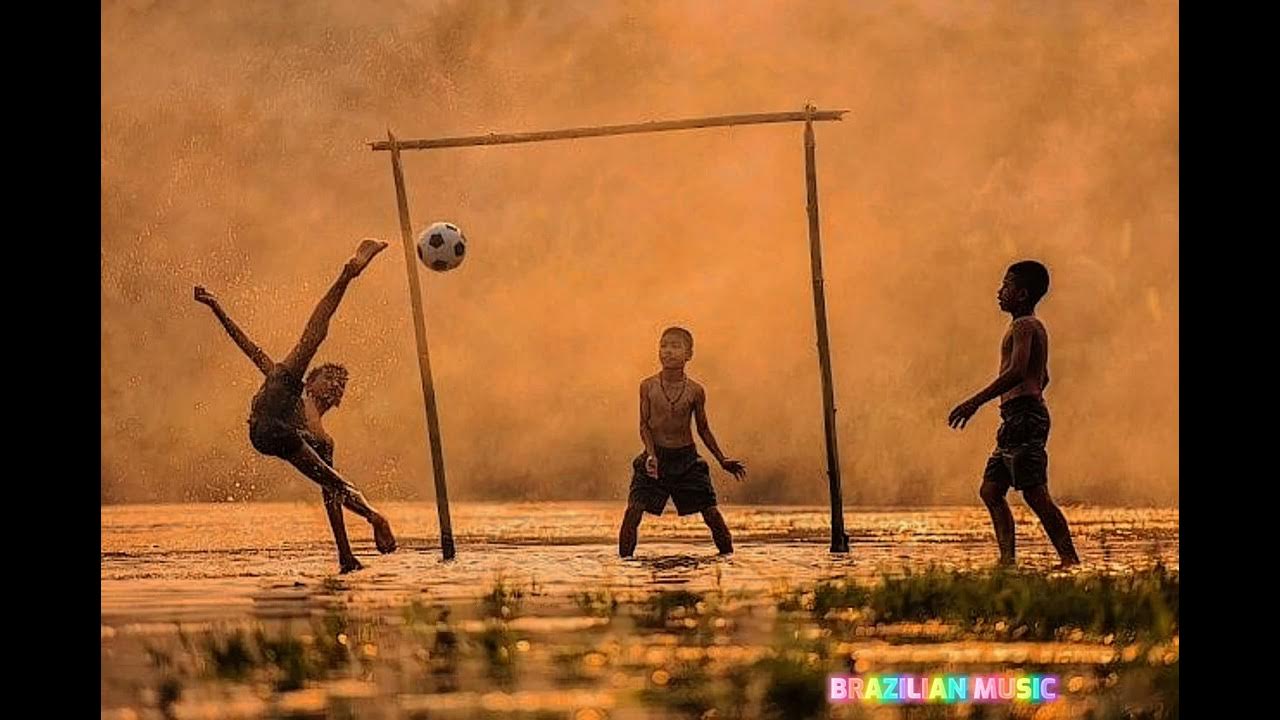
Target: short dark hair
685	334
1032	277
340	373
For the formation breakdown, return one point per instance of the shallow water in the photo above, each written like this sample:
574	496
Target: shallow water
208	569
172	561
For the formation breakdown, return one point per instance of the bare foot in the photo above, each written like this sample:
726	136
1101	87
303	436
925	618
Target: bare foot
382	537
350	564
365	254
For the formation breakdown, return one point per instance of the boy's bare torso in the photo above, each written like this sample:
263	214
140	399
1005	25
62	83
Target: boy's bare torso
1037	377
671	407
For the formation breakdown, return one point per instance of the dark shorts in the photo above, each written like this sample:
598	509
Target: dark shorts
274	437
1019	460
276	415
682	476
279	438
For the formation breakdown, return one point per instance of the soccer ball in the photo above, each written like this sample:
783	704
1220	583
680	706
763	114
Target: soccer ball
442	246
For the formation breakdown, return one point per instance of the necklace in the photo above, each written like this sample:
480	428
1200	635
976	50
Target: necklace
679	395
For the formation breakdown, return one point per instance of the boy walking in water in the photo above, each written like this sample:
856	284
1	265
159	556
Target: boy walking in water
1019	460
670	466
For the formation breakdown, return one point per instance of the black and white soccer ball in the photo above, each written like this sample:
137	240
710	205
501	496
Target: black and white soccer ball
442	246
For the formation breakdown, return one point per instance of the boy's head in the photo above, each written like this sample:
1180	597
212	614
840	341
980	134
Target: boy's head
1024	284
675	347
327	384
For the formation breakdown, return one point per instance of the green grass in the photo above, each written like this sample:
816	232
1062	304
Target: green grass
232	657
1034	605
597	603
668	604
284	659
503	600
688	691
430	653
793	689
498	644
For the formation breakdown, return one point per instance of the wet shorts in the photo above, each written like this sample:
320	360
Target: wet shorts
273	437
683	476
279	438
1019	460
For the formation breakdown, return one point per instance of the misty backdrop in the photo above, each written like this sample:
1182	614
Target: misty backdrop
234	156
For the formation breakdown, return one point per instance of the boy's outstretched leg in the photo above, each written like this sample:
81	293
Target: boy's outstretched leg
629	534
1054	522
318	325
1001	518
719	530
347	561
309	463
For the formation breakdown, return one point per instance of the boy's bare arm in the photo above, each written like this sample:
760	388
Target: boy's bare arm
1019	363
1015	373
704	426
255	353
734	467
646	435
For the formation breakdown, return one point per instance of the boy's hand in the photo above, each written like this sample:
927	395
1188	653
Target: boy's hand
959	417
204	298
651	466
734	468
